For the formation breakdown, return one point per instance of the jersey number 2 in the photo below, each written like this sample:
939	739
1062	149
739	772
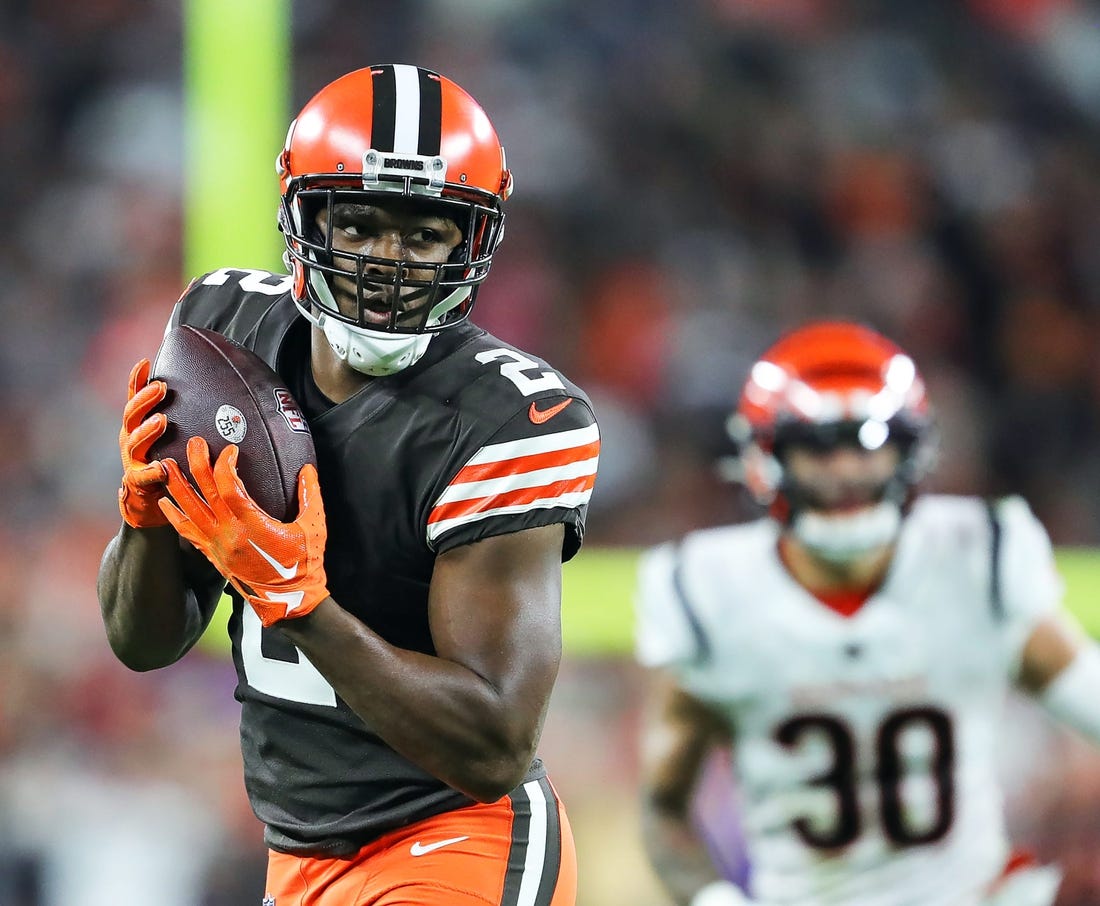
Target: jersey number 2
513	368
842	777
292	680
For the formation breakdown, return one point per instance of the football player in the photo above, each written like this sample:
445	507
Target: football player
852	649
395	644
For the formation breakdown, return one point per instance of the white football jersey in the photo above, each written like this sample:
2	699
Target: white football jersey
866	745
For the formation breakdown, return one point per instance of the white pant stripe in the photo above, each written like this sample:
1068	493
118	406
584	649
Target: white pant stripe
536	845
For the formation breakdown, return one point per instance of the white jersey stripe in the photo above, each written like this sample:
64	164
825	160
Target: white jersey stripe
468	490
406	127
536	845
547	443
569	501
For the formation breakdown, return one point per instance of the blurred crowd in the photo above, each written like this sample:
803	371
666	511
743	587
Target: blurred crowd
692	178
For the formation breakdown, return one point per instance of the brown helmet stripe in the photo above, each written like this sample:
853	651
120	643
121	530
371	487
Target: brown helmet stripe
431	113
384	109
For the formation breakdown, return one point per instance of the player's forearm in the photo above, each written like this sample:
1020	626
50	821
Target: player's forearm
150	619
675	850
439	714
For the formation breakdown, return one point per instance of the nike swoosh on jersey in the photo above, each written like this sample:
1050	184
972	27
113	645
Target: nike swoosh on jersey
287	572
420	849
541	416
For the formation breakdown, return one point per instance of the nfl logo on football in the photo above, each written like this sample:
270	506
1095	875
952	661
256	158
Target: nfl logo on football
293	415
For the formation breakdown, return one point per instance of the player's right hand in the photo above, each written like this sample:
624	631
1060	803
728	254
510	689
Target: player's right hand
278	567
143	482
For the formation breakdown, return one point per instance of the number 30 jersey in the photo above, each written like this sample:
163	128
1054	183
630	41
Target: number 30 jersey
865	746
476	439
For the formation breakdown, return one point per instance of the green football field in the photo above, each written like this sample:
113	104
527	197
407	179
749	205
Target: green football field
597	600
599	583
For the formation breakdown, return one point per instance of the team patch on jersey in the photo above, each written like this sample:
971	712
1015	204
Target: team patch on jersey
553	470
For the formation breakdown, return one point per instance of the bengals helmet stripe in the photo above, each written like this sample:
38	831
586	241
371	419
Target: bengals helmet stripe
407	110
824	384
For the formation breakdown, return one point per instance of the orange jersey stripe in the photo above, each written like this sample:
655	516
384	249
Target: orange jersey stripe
519	464
511	498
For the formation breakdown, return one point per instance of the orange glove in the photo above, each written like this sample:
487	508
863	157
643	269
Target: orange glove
279	567
142	481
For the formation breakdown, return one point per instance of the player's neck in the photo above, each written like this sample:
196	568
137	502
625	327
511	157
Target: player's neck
824	577
334	378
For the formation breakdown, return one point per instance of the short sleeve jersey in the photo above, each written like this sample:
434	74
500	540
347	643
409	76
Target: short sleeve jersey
476	439
865	746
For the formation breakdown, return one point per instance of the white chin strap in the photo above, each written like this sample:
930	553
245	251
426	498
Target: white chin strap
845	537
373	352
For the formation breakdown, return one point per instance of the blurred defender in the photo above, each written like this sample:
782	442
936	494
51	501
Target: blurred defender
854	648
397	643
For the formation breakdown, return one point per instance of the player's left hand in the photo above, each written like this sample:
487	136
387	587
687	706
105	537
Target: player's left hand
278	566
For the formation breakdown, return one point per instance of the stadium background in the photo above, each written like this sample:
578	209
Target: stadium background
692	178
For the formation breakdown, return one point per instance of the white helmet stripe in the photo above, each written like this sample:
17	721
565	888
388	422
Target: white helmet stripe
406	131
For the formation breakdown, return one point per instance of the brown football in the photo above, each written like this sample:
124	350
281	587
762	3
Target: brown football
228	394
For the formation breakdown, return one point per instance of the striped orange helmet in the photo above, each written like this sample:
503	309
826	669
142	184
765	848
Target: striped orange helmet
825	384
374	135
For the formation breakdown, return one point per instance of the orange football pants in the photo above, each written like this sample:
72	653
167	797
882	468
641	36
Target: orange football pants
517	851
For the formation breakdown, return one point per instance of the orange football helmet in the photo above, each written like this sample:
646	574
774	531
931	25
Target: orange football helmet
825	384
380	133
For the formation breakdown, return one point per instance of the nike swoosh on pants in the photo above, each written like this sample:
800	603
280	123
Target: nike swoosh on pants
420	849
